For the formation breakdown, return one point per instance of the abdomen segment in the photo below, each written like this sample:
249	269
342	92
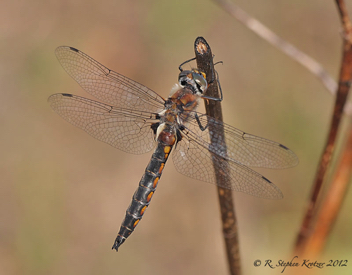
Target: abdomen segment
144	193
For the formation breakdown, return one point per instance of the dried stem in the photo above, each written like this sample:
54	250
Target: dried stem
268	35
333	201
341	97
204	60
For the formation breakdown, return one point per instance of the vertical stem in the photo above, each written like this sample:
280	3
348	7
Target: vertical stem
205	64
341	98
331	205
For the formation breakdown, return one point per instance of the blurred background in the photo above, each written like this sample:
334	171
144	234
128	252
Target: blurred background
64	194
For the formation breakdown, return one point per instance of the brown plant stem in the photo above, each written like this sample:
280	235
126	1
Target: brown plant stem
205	64
341	97
333	201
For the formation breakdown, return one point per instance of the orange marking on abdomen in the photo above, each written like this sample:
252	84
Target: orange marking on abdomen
135	223
155	183
143	209
167	149
161	168
150	196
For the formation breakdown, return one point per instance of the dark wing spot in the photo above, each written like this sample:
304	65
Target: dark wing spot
264	178
283	147
68	95
74	49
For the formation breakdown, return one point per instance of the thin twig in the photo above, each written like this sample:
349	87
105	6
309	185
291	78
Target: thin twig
205	64
341	97
268	35
346	23
333	201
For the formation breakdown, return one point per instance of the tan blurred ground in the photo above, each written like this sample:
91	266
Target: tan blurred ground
63	194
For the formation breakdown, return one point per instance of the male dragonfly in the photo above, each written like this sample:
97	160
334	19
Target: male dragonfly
135	119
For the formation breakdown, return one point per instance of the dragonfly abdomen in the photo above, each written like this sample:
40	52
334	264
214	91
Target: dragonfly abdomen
144	192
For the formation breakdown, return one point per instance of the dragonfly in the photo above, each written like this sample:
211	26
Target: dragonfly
133	118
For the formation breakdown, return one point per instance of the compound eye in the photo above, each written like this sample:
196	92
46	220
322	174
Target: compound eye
184	78
202	84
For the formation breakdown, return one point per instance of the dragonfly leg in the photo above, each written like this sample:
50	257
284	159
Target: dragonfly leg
220	90
189	60
200	124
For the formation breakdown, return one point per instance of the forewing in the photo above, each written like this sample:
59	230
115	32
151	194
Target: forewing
107	85
195	161
238	146
126	129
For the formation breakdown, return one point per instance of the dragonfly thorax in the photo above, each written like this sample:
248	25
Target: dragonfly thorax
181	99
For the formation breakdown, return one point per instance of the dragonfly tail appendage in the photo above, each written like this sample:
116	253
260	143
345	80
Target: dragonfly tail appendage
119	240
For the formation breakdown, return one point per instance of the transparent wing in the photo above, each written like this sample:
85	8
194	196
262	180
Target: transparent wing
126	129
107	85
195	161
241	147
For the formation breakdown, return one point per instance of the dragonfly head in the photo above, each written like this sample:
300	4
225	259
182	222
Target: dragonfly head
193	78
